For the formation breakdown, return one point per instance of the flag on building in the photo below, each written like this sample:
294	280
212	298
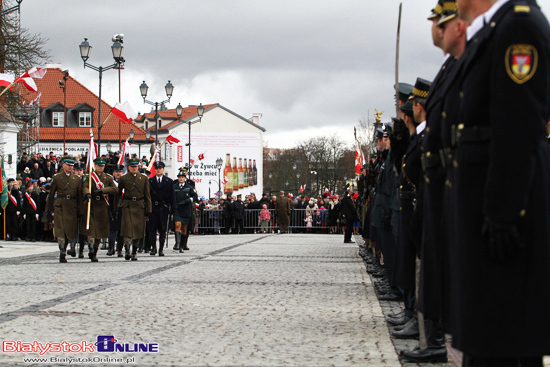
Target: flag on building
172	140
3	186
359	158
124	112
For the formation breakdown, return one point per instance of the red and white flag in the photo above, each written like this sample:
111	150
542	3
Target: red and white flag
172	140
225	180
359	158
6	80
123	159
124	112
28	83
92	153
201	156
27	78
151	167
302	188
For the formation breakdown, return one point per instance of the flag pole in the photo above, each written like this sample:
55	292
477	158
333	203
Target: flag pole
8	87
89	182
106	118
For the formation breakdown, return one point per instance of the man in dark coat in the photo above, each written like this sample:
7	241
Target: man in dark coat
68	188
114	215
282	209
13	210
349	211
237	210
227	214
499	270
163	199
30	210
135	207
186	197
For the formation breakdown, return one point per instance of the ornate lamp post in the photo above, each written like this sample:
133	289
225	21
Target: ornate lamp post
169	88
219	163
116	48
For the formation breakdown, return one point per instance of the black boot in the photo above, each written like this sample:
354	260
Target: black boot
72	251
140	247
161	249
111	250
92	254
103	245
62	253
184	243
119	250
154	249
134	252
81	250
127	255
178	242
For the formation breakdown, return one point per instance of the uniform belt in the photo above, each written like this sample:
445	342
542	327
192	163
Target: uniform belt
99	197
406	195
446	156
158	203
476	134
429	161
67	197
135	198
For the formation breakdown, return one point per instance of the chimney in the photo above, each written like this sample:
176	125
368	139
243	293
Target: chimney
256	117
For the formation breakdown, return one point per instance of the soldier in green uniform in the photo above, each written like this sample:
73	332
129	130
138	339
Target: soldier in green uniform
102	185
136	207
68	188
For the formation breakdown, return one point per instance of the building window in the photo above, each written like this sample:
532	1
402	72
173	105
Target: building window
84	119
58	119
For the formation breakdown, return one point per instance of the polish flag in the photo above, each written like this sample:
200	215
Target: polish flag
6	80
201	156
172	139
124	112
359	158
33	73
92	153
151	167
28	83
123	159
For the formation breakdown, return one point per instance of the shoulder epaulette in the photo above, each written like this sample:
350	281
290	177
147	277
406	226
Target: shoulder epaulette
522	9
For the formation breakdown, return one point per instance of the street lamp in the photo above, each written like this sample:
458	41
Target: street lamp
108	146
116	48
200	112
219	163
169	88
63	85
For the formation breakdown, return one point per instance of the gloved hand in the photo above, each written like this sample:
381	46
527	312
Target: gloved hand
24	216
190	200
18	212
87	198
399	128
504	240
386	222
98	192
37	217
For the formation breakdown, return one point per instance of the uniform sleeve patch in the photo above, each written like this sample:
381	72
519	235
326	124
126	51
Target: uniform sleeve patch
522	9
521	62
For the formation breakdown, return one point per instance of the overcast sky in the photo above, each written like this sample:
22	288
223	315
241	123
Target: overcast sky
310	67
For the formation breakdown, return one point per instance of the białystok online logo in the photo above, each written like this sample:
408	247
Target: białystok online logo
104	344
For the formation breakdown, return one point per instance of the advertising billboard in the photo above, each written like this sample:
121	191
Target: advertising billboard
241	169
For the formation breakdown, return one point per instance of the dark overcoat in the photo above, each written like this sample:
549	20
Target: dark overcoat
99	206
163	199
282	207
502	172
67	192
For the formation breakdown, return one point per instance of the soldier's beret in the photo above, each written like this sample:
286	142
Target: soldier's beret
421	89
450	11
100	161
407	108
118	167
437	11
133	162
159	164
47	186
405	89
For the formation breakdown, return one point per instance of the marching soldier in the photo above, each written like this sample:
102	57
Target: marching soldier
101	185
136	207
282	209
114	215
185	197
78	170
68	188
13	209
501	92
163	199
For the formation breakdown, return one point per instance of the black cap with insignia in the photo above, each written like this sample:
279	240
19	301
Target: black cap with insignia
159	164
118	167
182	172
437	11
421	89
407	108
405	90
450	11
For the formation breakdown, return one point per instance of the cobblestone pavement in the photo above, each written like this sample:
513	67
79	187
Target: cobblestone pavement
247	300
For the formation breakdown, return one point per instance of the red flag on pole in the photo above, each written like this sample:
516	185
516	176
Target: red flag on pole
171	139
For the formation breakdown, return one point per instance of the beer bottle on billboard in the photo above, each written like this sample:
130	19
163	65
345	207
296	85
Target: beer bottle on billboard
241	174
235	175
250	174
228	175
245	171
255	174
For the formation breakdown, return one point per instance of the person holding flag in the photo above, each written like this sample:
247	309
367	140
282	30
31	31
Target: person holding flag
30	211
96	188
68	188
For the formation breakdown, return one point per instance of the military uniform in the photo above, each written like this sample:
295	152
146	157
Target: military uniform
30	210
135	207
164	202
114	217
282	209
12	212
185	197
66	190
101	185
501	169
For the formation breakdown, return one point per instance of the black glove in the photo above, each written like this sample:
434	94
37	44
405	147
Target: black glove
87	198
399	128
98	192
504	240
386	222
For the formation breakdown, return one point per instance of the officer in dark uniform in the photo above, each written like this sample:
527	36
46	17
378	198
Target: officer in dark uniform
135	205
114	215
30	210
78	169
68	188
163	199
185	199
499	271
237	209
13	210
349	212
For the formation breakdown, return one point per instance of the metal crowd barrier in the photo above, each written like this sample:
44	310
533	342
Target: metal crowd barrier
213	221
